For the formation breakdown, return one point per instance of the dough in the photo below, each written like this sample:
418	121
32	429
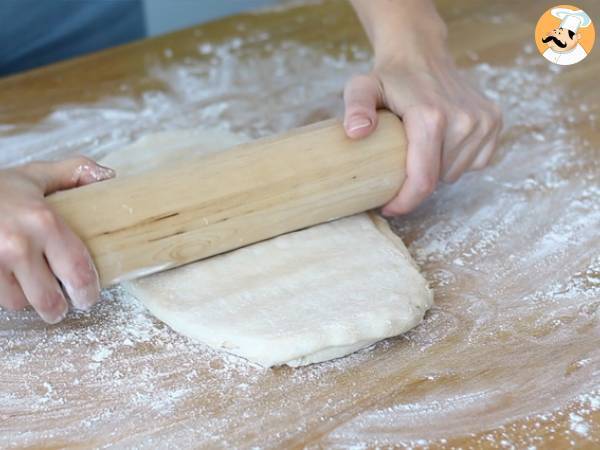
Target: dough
164	148
301	298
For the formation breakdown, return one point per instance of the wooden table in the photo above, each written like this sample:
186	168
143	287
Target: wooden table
509	356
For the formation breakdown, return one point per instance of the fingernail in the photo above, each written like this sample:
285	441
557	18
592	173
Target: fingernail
83	298
102	172
96	172
358	123
53	319
57	319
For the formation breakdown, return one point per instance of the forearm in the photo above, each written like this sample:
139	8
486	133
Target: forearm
402	28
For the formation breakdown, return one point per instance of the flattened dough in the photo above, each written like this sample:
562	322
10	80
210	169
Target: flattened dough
301	298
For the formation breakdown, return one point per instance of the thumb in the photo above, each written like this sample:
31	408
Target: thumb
66	174
362	96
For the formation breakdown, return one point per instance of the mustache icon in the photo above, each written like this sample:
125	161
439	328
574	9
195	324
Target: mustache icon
556	41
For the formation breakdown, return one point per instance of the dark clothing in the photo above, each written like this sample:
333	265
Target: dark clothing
39	32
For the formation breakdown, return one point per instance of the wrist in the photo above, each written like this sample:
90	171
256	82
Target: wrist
406	32
422	51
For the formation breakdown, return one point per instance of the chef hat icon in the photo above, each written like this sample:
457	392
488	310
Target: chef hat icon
570	19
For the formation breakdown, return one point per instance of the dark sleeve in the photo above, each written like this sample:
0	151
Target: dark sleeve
38	32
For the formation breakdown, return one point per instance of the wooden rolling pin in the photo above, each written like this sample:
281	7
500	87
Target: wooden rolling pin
146	223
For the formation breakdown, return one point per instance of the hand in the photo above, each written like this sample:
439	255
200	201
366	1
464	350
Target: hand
450	127
37	249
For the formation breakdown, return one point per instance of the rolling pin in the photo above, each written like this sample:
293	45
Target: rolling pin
210	204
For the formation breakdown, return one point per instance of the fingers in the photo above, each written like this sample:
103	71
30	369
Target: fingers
11	295
425	134
40	287
40	251
471	140
458	137
484	157
487	152
362	97
73	172
468	151
33	282
71	263
66	255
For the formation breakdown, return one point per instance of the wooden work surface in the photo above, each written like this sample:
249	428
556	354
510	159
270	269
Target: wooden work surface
508	358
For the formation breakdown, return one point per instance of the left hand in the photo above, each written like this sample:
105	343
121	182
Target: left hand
450	127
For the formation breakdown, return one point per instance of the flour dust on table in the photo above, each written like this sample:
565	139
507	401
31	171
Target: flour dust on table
297	299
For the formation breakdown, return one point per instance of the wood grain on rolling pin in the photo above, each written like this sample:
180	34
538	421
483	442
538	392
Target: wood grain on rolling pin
210	204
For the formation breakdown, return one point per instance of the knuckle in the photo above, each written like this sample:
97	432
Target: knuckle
464	122
13	245
42	217
433	117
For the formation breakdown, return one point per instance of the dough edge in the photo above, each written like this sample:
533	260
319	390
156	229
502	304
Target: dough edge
257	353
187	143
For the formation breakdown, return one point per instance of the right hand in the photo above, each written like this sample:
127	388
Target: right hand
37	249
